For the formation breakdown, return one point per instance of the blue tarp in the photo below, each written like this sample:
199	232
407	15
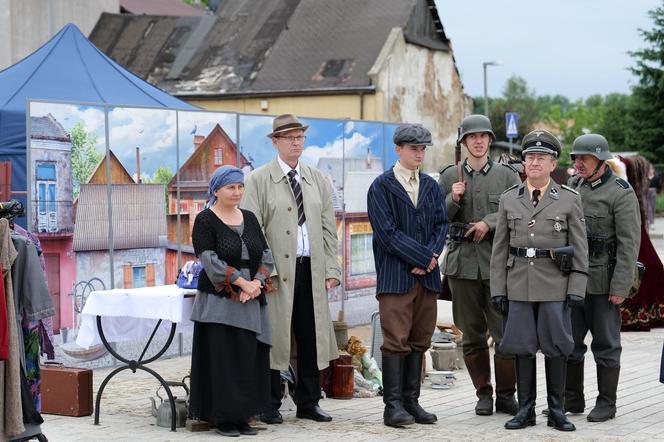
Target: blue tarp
68	68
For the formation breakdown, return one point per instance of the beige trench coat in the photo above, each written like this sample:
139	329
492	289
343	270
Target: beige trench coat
269	196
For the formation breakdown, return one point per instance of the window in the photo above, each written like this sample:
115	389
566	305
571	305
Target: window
45	172
218	156
139	276
42	198
361	254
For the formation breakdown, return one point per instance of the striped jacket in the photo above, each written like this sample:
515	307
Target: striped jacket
405	236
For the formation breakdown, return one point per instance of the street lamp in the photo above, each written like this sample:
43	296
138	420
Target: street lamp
486	97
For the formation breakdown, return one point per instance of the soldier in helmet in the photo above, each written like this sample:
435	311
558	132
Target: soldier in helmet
472	207
613	223
538	269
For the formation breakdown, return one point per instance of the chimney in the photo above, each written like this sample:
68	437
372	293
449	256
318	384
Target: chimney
198	139
138	165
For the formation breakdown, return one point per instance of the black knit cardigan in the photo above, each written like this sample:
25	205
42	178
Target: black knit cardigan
210	233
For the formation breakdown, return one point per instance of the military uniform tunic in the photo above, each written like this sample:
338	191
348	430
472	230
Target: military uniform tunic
535	287
466	264
612	219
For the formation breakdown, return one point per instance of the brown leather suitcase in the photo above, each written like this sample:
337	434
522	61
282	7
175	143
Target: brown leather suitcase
66	391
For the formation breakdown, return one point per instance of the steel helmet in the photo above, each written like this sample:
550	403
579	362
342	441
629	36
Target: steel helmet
591	144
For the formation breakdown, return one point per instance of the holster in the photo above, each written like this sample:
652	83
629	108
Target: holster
562	256
639	273
457	232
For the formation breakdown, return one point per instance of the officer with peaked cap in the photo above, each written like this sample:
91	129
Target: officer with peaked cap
472	206
538	270
613	222
409	222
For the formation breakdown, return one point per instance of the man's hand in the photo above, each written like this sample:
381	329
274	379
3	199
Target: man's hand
501	304
615	299
575	301
458	189
418	271
432	264
331	282
478	230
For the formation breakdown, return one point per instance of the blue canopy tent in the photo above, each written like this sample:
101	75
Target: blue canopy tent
68	68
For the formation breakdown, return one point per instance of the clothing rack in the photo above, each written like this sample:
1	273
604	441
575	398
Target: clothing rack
10	210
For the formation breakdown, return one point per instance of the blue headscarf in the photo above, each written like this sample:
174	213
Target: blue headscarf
221	177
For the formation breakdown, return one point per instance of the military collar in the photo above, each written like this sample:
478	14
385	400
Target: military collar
601	180
484	170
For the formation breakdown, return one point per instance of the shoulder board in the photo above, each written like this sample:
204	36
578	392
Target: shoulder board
569	188
510	167
622	183
510	188
445	168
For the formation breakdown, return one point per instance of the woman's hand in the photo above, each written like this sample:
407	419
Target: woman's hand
251	288
244	297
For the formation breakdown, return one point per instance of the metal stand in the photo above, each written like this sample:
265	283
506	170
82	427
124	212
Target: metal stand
134	365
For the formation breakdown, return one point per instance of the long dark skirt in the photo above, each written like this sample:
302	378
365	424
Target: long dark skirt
230	374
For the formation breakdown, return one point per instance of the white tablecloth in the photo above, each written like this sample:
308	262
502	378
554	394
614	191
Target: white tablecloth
130	314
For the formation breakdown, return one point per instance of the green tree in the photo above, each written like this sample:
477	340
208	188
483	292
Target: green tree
84	156
647	106
162	175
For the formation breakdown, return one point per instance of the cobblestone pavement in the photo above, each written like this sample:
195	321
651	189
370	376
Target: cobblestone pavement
125	406
125	409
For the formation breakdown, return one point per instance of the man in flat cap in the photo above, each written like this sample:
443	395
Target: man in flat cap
614	237
293	203
471	199
407	213
539	269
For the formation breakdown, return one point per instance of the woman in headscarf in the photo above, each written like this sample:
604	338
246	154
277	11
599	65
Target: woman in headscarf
230	366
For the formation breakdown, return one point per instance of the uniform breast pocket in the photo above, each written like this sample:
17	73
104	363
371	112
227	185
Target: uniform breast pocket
598	221
494	200
514	222
557	224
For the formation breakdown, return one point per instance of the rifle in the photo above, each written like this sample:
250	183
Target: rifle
457	155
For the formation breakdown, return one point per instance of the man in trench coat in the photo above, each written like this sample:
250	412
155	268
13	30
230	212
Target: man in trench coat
293	203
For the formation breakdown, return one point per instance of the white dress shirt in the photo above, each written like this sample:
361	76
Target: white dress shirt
302	232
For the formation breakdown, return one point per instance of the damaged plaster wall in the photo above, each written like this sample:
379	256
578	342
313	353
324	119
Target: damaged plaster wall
422	86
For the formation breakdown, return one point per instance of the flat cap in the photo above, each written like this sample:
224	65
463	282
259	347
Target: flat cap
412	134
541	141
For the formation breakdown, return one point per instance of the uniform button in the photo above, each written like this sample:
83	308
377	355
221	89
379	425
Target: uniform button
290	208
557	217
286	255
284	279
287	232
532	263
532	234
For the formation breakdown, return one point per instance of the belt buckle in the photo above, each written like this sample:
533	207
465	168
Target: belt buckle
530	252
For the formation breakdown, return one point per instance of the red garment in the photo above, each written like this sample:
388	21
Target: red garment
646	309
4	334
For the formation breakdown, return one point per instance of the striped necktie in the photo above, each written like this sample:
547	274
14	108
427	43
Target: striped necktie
297	191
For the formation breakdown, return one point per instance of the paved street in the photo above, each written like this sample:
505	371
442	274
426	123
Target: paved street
125	410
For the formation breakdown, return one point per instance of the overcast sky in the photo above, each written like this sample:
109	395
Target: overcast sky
574	48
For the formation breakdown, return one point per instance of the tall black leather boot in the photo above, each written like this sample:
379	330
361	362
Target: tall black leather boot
555	393
607	384
412	380
575	401
526	381
394	415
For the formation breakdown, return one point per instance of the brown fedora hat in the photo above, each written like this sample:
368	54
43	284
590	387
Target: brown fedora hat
284	123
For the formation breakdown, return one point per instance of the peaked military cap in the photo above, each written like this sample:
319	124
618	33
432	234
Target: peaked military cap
541	141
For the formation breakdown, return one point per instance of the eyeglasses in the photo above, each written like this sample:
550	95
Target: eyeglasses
299	139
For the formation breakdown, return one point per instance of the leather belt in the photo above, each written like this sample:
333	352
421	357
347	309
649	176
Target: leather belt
530	252
303	260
